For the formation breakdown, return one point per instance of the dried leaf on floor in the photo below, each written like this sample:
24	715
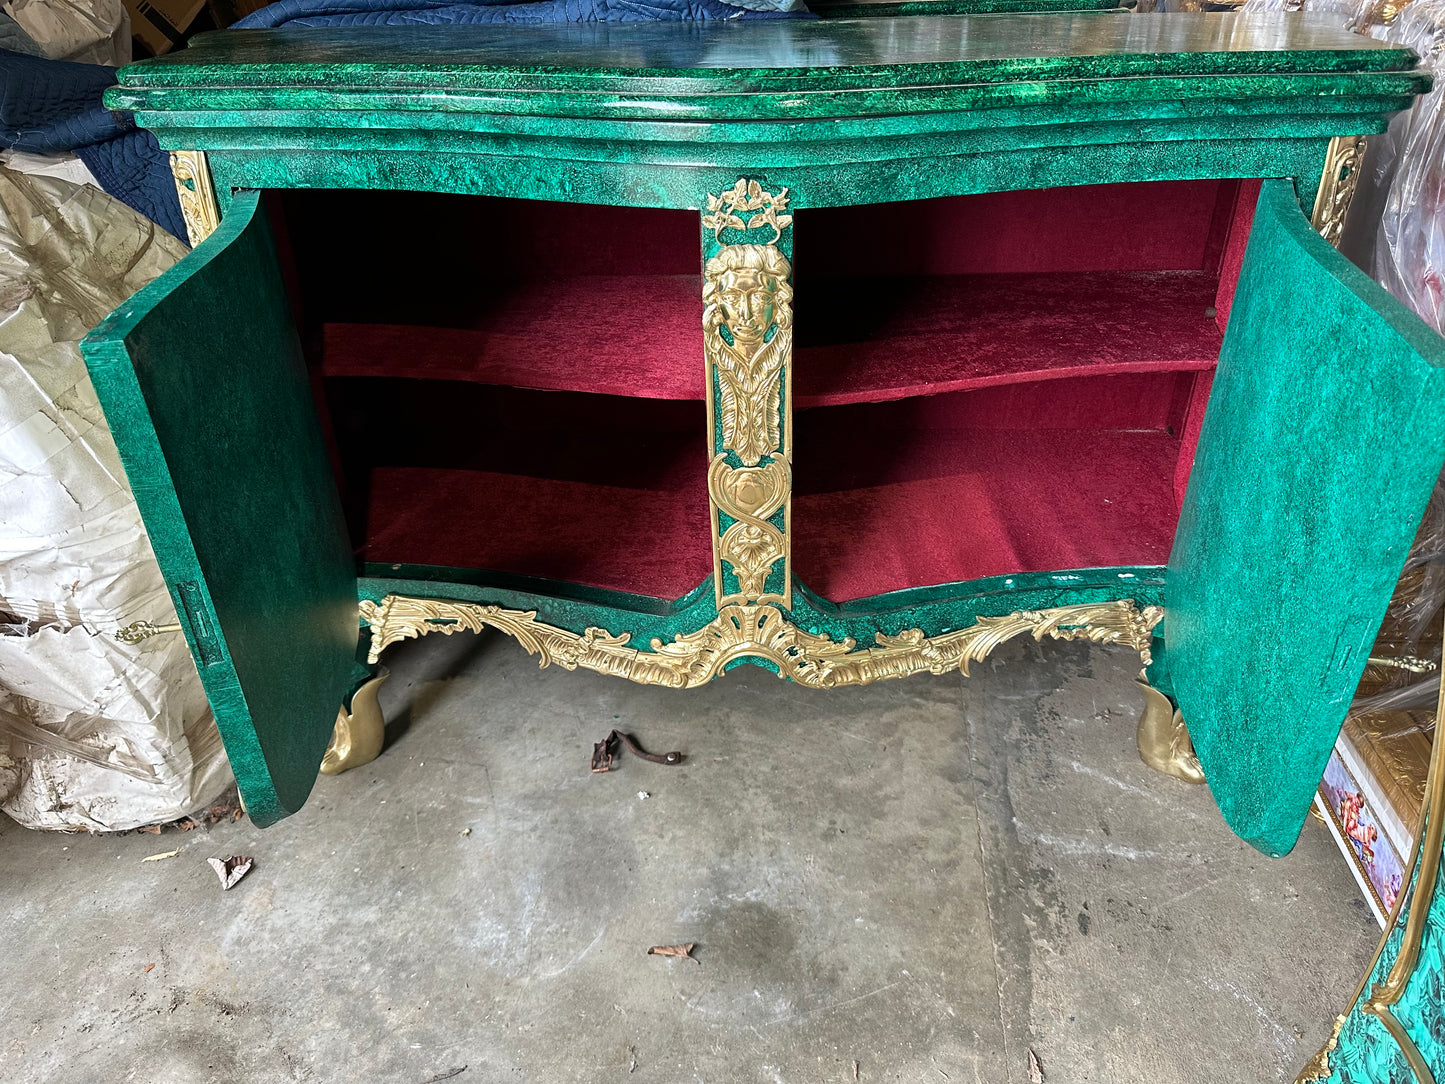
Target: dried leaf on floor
148	969
445	1076
1036	1071
162	856
683	950
855	1069
150	829
230	870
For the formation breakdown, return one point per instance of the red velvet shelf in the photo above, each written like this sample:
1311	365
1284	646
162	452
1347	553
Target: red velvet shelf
871	340
949	506
988	503
648	541
983	503
633	335
859	340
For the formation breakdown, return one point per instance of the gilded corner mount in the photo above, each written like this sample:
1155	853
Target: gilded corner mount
1163	739
1338	181
762	633
197	194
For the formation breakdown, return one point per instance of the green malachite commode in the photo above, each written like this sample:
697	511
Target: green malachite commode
1323	435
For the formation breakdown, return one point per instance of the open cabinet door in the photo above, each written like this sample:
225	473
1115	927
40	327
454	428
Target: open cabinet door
202	380
1324	435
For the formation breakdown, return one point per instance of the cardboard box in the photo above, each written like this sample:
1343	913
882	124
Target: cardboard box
160	25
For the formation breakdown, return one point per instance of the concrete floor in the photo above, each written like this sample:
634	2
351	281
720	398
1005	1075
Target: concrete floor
928	878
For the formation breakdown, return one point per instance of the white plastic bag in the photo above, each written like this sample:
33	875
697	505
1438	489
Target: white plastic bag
101	735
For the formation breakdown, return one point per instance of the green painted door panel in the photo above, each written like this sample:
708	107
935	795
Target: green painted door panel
202	380
1324	435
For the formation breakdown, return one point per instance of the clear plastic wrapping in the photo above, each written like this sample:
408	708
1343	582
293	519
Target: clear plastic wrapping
1403	671
1393	229
1356	15
1391	723
1409	251
93	733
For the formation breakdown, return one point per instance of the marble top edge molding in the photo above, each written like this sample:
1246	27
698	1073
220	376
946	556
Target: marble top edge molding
806	53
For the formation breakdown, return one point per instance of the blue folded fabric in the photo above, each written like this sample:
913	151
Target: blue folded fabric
133	168
47	106
53	105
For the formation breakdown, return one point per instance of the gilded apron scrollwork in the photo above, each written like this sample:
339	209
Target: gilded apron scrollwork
762	633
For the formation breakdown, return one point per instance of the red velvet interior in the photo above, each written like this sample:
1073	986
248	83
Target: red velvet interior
1068	474
881	338
1073	330
602	491
648	541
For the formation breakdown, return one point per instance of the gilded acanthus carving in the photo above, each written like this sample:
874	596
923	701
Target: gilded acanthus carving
726	209
763	633
751	496
197	194
398	617
752	549
910	652
1337	186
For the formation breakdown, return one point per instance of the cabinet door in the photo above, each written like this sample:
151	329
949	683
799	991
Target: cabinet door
1324	435
202	380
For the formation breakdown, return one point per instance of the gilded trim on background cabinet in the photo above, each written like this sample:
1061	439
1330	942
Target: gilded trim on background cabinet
1420	883
1384	996
1337	186
748	354
1381	13
1318	1067
197	194
761	633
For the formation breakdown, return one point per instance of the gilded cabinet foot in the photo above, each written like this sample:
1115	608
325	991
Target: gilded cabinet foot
359	732
1164	742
